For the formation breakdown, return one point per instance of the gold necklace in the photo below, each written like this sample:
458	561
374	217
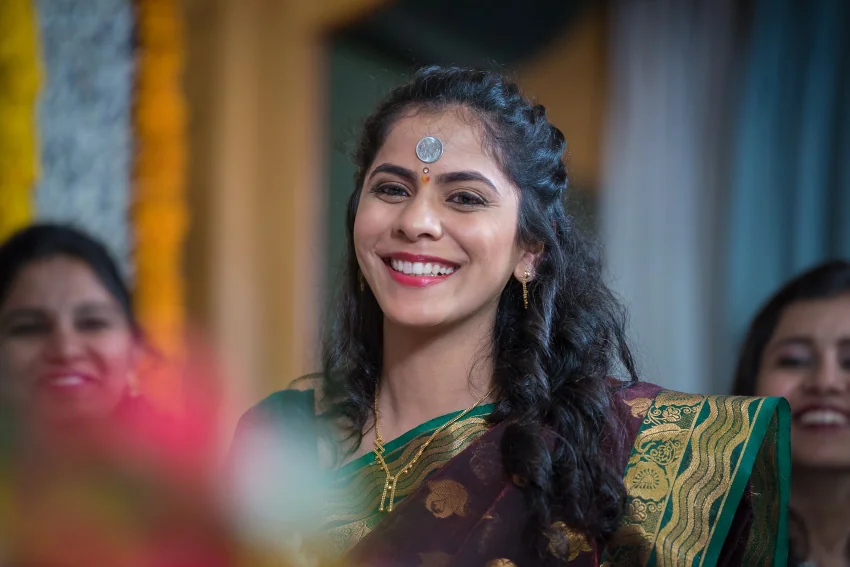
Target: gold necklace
392	480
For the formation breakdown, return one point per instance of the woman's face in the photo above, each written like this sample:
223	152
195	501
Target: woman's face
437	242
66	347
807	361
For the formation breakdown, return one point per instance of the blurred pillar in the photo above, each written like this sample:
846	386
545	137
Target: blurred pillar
570	79
256	85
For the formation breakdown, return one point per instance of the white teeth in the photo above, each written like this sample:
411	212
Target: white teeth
420	268
823	417
67	381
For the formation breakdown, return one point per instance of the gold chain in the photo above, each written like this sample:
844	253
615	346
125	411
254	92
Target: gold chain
392	480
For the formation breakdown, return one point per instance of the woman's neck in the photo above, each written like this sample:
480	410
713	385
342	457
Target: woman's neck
821	499
427	375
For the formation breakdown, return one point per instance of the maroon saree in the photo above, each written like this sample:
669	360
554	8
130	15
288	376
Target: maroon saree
706	477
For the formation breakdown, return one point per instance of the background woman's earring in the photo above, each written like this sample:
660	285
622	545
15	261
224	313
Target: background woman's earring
362	281
132	384
525	277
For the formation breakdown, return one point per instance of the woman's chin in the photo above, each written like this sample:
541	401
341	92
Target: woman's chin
418	319
822	456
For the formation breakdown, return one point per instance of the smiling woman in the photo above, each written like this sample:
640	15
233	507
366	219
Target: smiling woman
466	413
68	337
798	347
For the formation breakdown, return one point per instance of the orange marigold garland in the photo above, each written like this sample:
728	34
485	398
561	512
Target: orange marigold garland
159	214
19	82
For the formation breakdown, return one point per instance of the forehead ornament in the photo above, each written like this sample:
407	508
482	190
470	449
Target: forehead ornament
429	149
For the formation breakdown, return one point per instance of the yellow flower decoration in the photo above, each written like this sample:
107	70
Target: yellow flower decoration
19	81
160	213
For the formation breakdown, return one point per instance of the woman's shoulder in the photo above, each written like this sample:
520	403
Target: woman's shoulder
292	406
642	406
631	400
284	418
636	399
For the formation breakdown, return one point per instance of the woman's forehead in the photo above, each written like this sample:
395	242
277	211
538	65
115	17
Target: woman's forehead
455	133
819	318
57	280
462	138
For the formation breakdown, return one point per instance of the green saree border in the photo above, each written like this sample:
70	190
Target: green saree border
768	544
769	412
686	475
783	462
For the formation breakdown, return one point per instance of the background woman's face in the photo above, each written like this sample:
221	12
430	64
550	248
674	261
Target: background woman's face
807	361
66	346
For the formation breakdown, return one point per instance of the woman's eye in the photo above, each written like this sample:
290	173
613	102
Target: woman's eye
466	199
92	324
792	362
392	191
26	329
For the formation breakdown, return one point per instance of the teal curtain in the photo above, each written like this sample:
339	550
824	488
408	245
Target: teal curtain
790	195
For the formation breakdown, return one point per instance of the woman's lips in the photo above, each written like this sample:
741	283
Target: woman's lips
822	417
415	270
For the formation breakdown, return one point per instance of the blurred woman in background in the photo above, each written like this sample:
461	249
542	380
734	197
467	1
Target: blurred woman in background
798	347
92	473
69	341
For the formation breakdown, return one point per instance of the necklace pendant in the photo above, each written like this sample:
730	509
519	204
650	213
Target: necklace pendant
384	494
392	493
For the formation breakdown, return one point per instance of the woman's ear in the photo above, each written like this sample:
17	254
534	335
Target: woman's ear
528	262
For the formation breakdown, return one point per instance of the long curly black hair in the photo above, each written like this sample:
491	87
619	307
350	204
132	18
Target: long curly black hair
551	361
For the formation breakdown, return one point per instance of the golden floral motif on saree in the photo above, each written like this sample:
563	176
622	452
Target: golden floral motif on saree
565	542
650	472
637	509
647	482
446	497
639	406
678	475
